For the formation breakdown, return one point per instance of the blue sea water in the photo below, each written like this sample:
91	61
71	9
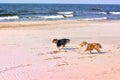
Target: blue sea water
44	12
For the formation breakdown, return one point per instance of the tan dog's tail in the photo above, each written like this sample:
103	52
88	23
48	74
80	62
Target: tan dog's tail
99	45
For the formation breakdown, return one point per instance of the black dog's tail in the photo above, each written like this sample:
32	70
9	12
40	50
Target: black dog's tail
68	40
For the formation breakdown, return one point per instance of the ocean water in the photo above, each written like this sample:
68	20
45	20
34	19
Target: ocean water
45	12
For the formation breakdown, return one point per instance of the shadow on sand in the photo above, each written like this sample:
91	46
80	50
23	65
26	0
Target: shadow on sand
97	53
69	49
63	50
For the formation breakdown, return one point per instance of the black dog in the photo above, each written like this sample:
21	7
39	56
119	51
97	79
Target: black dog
60	42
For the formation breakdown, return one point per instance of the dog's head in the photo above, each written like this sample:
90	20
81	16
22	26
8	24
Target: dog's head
83	43
54	40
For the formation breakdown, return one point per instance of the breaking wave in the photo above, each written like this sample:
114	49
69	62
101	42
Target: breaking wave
66	13
114	12
50	17
95	19
102	12
109	12
9	17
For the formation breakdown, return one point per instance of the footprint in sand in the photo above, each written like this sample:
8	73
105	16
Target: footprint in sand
55	57
64	63
55	52
52	52
39	54
14	67
118	47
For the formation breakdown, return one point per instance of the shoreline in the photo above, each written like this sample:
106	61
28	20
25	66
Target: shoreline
29	24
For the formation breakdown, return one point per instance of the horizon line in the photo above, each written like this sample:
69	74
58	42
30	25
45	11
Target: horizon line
62	3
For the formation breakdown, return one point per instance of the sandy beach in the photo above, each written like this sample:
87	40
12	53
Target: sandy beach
27	51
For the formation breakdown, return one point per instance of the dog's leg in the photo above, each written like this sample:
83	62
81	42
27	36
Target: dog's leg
83	52
63	46
98	51
59	48
90	51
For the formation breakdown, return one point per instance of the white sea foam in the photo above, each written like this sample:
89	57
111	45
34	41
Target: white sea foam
56	16
114	12
65	13
70	15
94	19
9	17
53	17
102	12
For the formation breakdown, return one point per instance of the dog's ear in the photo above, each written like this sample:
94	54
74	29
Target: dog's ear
54	40
84	42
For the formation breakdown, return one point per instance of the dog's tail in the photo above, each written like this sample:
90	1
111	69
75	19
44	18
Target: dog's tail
68	40
99	45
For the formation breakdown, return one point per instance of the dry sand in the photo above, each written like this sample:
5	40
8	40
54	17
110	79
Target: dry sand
26	51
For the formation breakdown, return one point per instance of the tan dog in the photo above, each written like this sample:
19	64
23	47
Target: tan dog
90	46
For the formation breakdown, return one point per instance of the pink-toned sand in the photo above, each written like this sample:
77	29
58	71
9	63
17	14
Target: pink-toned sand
27	53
